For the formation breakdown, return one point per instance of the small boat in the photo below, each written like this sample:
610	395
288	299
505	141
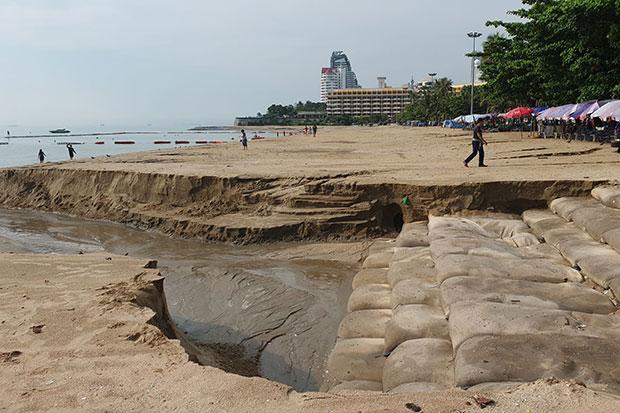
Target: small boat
181	142
202	142
60	131
69	143
99	143
217	142
4	143
162	142
124	142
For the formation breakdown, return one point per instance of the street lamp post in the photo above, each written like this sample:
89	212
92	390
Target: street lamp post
474	36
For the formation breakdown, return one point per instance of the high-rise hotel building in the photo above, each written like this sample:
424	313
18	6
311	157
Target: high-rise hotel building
338	76
384	100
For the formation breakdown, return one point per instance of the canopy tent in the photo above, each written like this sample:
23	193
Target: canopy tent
556	113
540	109
577	110
517	113
471	118
452	124
588	108
610	110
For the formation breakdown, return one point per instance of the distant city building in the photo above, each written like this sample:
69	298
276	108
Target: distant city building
338	76
330	81
383	100
348	79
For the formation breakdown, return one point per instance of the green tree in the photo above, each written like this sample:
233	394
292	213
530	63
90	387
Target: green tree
559	51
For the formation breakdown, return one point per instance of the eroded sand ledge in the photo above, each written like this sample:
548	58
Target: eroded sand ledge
98	349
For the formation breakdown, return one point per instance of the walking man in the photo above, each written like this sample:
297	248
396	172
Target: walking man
244	139
72	151
42	156
314	129
477	144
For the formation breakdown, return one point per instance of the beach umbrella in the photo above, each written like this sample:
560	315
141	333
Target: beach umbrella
610	110
518	113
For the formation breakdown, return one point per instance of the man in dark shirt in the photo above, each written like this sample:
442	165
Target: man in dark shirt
477	144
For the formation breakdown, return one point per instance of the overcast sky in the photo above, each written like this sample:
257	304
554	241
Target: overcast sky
186	62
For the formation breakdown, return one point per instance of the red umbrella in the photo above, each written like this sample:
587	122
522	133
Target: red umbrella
518	113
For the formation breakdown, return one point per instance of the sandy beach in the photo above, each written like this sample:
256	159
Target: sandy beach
385	154
91	332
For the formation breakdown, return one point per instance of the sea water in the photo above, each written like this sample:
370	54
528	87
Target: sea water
20	146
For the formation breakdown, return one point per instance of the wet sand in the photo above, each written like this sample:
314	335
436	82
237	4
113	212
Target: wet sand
268	310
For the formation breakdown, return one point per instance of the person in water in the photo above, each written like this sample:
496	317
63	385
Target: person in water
244	139
477	144
42	156
72	151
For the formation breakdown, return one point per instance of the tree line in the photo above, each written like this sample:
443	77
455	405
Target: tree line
556	52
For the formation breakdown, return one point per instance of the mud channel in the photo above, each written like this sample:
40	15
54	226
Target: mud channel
267	310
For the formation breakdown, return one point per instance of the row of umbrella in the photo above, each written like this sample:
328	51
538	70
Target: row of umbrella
602	109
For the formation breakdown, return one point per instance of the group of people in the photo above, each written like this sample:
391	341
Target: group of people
42	155
244	138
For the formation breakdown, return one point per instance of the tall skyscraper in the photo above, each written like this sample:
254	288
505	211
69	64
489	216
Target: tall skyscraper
341	62
338	76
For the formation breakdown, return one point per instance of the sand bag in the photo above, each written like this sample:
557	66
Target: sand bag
597	220
415	321
565	233
502	228
356	359
455	227
370	297
608	195
469	319
413	235
412	253
614	286
532	216
364	324
565	207
524	239
381	246
574	250
370	276
541	270
422	269
601	268
419	361
527	358
612	238
379	260
539	228
481	246
563	296
415	291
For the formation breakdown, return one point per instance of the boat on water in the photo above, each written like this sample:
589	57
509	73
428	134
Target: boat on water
63	130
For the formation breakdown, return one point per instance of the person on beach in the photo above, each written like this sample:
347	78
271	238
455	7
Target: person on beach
306	130
244	139
42	156
477	144
314	129
72	151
